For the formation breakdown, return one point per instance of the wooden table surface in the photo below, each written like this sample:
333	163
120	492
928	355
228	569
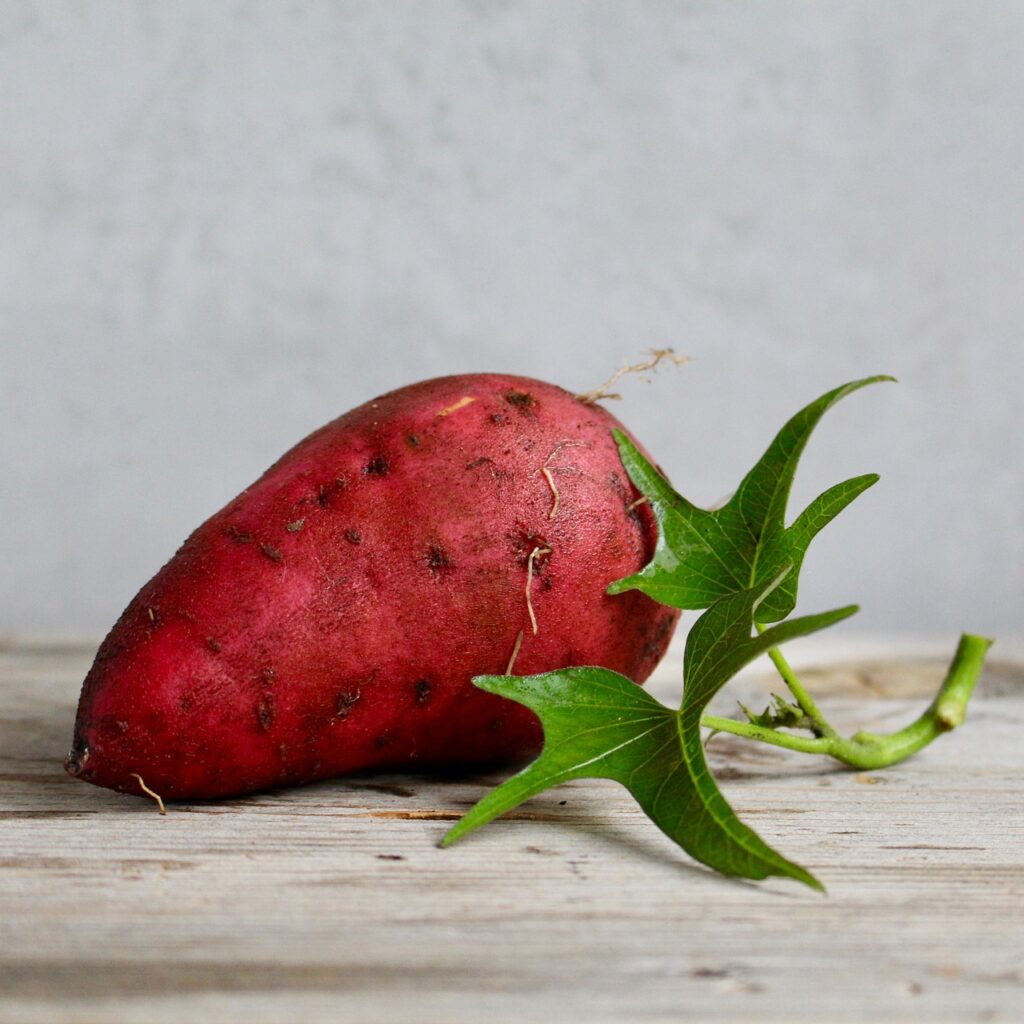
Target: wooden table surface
333	903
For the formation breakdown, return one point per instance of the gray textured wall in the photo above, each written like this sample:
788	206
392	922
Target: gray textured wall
222	224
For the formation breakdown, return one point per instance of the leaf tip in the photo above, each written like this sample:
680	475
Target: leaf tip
621	586
492	684
811	881
451	836
877	378
800	874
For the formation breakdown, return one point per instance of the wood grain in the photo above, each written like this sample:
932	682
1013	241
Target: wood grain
333	902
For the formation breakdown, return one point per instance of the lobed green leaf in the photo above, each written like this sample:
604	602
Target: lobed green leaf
600	724
700	555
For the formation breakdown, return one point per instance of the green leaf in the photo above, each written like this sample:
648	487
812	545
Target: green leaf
599	724
702	555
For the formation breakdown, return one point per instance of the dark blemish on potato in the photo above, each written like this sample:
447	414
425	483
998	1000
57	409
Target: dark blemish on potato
657	642
353	536
497	418
296	526
439	562
377	466
485	460
413	440
390	856
268	675
545	581
324	491
122	726
265	713
522	401
271	552
238	535
421	688
627	498
524	540
186	703
383	740
214	644
345	701
494	725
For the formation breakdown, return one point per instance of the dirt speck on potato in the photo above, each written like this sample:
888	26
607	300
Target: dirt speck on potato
274	554
522	401
439	562
265	712
345	701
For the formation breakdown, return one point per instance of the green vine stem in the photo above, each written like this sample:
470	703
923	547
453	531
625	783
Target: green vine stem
866	750
807	704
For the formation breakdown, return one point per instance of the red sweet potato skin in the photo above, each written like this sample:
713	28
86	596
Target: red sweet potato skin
330	618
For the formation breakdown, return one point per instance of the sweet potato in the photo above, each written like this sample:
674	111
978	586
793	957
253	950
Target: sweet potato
330	618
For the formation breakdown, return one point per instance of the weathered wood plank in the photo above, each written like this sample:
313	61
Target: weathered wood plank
333	902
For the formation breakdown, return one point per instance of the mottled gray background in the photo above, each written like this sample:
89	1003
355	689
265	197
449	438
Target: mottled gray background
222	224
